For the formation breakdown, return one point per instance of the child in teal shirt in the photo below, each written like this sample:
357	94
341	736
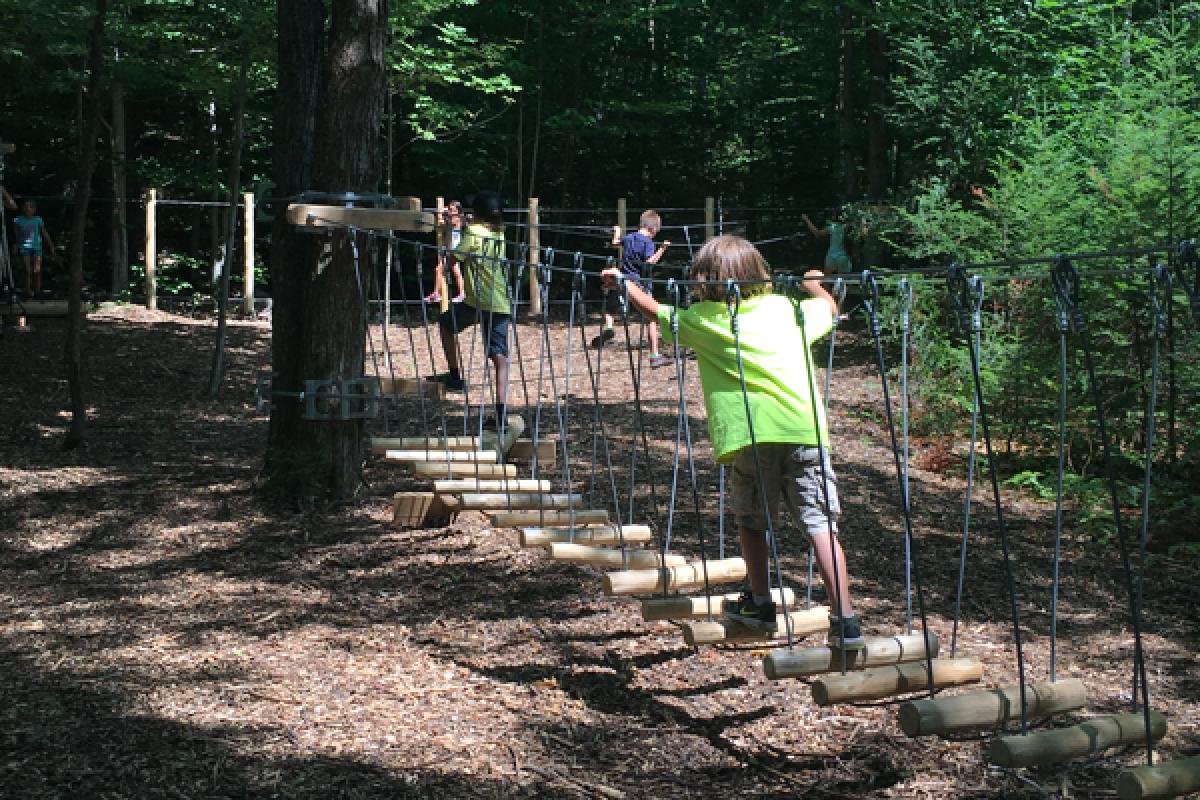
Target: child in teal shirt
788	420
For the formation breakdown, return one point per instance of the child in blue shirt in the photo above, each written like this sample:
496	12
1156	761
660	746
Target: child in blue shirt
638	253
31	231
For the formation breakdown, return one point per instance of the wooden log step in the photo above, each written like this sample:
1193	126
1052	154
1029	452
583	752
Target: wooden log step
599	534
880	651
691	607
469	470
689	576
547	452
1165	779
519	519
419	510
879	682
989	708
428	443
1085	739
460	485
511	501
457	456
412	387
809	621
44	308
609	557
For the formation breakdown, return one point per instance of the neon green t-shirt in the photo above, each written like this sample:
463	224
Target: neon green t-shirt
778	382
481	251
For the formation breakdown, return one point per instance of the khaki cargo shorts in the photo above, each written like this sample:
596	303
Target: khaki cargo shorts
790	472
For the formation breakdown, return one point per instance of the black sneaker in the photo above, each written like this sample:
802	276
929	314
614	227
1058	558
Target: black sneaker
744	611
604	338
452	382
846	634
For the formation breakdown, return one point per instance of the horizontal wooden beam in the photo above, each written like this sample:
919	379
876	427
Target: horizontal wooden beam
693	607
450	469
375	219
988	708
519	519
689	576
458	456
42	308
1085	739
379	445
547	452
511	501
808	621
412	387
879	682
598	534
460	485
419	510
1161	780
611	557
880	651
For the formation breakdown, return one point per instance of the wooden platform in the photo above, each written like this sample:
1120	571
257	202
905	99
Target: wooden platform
419	510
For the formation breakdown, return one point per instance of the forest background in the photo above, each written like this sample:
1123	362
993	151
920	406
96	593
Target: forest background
955	131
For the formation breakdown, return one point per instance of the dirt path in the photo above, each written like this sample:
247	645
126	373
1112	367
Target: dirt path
164	633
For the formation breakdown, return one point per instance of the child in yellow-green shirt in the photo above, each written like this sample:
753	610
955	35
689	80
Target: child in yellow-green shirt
789	425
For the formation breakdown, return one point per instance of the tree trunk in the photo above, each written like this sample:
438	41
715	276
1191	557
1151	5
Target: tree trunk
845	112
877	135
235	192
120	217
216	259
319	322
72	355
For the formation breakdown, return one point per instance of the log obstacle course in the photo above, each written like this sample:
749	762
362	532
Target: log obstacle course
594	534
989	708
877	683
804	622
1166	779
880	651
1057	745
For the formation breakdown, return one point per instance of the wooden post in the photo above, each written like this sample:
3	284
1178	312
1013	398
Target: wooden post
710	217
623	221
1058	745
248	254
880	682
151	248
1167	779
988	708
535	257
880	650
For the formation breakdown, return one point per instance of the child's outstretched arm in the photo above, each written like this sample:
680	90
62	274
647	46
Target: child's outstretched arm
812	284
813	229
654	258
642	301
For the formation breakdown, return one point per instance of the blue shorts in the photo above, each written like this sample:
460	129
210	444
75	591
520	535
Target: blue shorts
31	251
461	316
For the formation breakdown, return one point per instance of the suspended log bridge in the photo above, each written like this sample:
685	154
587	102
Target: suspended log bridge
1167	779
685	607
519	519
989	708
599	534
879	682
1085	739
649	581
608	557
880	651
806	622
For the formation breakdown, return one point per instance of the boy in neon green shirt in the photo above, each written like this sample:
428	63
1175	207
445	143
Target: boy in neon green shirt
789	426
